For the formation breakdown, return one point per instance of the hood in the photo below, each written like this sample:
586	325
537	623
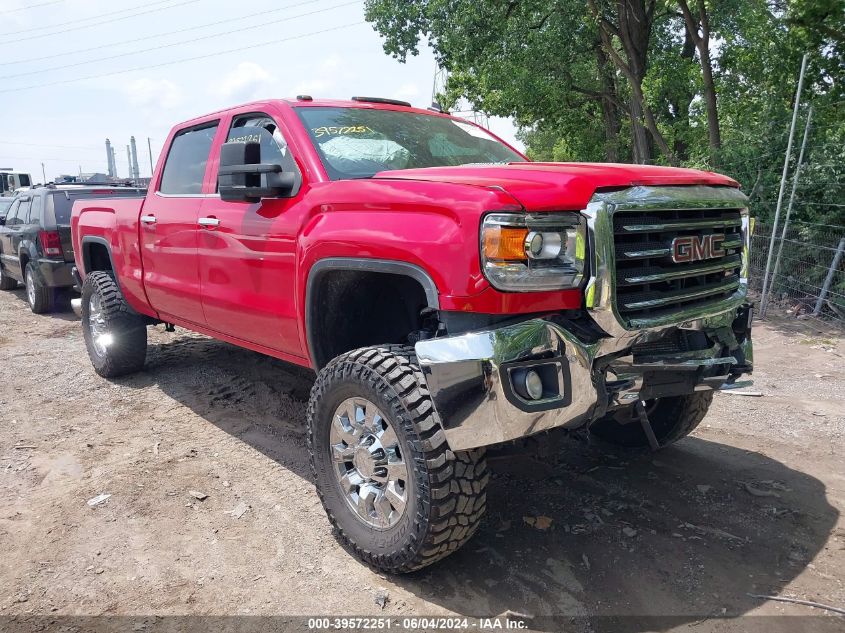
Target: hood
560	186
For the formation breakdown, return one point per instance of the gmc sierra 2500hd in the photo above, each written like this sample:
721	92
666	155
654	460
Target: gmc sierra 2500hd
449	293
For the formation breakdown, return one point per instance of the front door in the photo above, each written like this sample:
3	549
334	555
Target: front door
168	227
247	252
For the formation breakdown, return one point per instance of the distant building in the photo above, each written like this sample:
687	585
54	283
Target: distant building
94	178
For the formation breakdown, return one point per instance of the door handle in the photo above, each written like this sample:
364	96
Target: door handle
148	219
209	222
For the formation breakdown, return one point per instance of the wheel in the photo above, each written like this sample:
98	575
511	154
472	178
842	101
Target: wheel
6	282
395	493
39	296
115	335
671	420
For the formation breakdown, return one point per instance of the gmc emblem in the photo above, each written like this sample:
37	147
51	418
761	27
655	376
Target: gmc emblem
692	248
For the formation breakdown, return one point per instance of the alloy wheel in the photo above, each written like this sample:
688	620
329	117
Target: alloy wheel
30	290
100	336
368	463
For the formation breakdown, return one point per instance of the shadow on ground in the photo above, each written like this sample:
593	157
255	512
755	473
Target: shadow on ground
672	534
61	309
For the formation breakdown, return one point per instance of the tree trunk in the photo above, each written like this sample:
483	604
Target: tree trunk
633	25
609	110
702	43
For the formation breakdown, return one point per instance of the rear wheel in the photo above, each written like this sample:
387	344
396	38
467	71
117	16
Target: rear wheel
390	485
115	335
671	420
39	296
6	282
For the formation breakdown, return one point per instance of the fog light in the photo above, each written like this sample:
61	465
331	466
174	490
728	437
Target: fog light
533	385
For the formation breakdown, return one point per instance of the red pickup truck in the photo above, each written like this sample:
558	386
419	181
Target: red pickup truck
449	293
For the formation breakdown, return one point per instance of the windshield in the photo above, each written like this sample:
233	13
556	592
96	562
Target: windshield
359	142
5	203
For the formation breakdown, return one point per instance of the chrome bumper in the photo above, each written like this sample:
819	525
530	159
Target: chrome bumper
470	375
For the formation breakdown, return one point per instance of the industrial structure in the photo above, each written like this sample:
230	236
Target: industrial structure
136	171
112	168
133	170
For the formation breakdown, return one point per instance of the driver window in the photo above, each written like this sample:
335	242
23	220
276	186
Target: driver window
263	129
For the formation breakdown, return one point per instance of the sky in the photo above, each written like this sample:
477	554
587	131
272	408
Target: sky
76	72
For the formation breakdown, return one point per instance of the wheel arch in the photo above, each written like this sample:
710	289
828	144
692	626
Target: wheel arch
96	254
318	275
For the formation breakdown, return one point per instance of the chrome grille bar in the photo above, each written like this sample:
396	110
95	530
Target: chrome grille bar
666	251
682	274
686	296
673	226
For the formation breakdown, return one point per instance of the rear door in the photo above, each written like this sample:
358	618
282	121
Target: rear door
248	250
8	256
15	235
168	226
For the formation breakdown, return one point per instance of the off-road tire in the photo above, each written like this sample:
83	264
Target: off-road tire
128	350
671	419
6	282
42	298
448	490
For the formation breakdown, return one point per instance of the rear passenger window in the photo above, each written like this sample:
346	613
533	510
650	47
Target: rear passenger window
35	211
184	170
21	216
13	213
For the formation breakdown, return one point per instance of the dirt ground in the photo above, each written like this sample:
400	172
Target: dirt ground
751	504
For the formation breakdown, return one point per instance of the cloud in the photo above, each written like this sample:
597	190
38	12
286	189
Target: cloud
408	91
246	81
313	87
159	94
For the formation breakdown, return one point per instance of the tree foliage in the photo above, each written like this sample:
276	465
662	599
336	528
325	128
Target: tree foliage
705	83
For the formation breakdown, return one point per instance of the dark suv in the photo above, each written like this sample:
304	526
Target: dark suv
35	243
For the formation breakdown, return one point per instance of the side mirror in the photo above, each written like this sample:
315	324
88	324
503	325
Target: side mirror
2	220
241	173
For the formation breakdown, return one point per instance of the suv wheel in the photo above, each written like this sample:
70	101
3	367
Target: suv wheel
671	419
6	282
391	487
39	296
115	335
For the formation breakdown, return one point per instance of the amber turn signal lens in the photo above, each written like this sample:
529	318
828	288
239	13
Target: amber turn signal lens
504	243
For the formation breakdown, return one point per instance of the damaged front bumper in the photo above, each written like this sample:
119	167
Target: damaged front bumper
474	378
607	358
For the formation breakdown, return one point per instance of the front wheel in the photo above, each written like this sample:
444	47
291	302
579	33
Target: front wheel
115	335
671	419
391	487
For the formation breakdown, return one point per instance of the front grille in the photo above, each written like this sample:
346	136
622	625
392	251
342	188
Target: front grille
649	284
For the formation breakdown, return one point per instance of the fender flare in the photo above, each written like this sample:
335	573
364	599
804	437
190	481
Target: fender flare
86	258
393	267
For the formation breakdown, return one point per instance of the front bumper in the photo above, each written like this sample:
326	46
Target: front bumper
471	376
601	362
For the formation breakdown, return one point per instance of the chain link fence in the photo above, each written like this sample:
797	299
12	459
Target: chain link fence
810	281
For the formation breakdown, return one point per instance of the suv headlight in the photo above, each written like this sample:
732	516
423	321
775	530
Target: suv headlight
526	253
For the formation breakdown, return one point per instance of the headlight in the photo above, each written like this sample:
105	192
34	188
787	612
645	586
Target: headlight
533	252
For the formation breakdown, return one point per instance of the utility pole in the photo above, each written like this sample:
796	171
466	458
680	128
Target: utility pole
792	194
150	149
834	265
44	173
764	295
